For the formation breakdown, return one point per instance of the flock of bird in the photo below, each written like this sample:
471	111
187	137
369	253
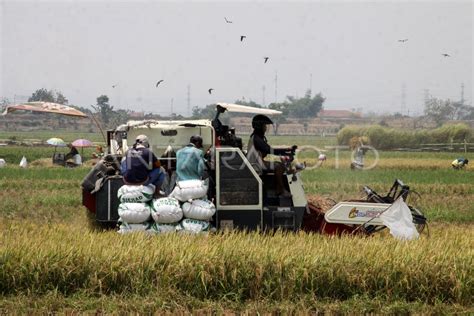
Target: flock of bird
406	39
242	37
265	59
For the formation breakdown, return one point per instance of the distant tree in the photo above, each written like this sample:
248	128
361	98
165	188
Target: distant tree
207	112
469	112
118	117
42	95
439	110
383	123
279	119
305	107
60	98
442	110
104	109
4	102
45	95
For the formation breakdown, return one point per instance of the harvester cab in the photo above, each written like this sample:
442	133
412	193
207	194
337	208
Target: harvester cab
243	198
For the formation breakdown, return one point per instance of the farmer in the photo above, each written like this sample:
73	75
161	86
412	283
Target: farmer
72	152
74	155
190	160
459	163
321	159
258	148
140	165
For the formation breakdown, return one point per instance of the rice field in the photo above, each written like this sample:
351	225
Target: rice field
51	261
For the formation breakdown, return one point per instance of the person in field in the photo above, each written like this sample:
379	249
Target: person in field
459	163
258	148
74	155
140	165
190	160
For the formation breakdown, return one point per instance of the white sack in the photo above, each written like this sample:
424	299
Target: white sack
162	228
399	220
23	162
132	228
77	159
2	163
136	193
195	226
134	213
166	210
199	209
189	190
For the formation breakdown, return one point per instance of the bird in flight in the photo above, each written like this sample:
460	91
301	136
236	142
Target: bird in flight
266	59
159	82
227	21
403	40
113	86
210	90
242	37
446	55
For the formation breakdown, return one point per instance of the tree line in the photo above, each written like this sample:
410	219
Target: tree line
308	106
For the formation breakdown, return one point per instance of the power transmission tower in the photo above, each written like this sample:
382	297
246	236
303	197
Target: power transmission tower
462	94
171	105
310	84
427	96
263	95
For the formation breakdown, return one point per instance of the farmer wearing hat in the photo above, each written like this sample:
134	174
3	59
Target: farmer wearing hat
140	165
258	148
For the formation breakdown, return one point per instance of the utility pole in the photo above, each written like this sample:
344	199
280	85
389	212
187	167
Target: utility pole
189	100
263	95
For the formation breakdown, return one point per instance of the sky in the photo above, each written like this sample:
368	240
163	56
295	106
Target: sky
349	51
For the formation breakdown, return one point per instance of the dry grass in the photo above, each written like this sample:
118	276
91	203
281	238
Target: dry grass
68	259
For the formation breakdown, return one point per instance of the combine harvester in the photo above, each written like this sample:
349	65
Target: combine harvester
244	200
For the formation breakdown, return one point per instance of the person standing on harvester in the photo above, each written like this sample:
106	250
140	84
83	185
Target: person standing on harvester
258	148
190	160
141	166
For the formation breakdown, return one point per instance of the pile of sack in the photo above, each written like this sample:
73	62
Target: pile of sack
135	209
185	210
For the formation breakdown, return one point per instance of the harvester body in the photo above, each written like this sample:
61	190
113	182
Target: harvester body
243	198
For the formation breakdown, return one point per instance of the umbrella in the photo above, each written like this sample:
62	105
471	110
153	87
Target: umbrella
82	143
56	142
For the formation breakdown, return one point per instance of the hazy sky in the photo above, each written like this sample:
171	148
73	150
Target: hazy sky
82	48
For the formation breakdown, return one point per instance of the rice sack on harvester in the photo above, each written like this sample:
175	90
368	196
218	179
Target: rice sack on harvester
193	226
134	213
199	209
136	193
189	190
166	210
134	210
